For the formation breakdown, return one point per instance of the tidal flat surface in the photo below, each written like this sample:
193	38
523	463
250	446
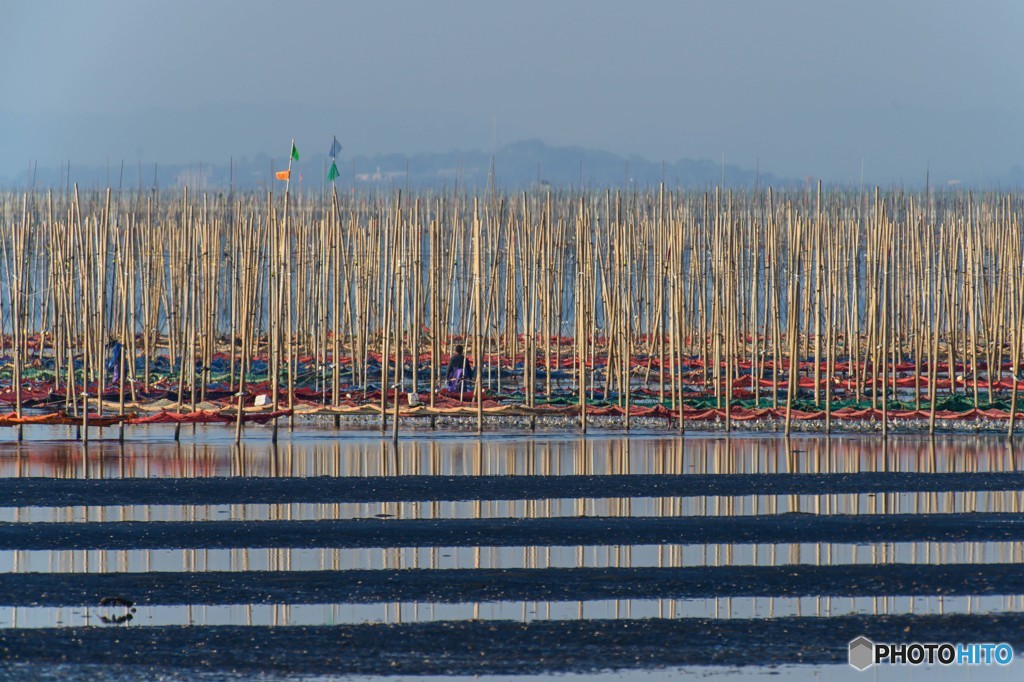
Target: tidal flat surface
339	554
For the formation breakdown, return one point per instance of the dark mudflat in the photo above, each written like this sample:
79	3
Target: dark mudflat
506	532
496	647
483	585
49	492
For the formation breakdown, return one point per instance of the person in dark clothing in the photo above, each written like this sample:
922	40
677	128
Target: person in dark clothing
114	363
459	370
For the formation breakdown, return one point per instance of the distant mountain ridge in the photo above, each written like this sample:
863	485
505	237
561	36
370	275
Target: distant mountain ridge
515	166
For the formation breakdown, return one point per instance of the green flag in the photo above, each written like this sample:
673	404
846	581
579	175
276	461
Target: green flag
333	173
295	153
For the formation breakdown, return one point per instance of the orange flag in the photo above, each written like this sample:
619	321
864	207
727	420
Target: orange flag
283	175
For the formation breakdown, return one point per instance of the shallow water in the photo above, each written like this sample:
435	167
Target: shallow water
878	481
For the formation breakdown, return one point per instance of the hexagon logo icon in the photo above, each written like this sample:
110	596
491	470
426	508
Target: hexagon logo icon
862	653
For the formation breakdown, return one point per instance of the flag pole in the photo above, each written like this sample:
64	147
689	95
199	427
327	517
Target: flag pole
281	294
288	179
291	356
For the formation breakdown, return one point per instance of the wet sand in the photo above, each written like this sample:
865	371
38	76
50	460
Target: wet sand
383	533
30	492
453	586
502	647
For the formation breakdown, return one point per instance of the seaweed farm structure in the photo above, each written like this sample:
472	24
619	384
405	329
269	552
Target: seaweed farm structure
721	306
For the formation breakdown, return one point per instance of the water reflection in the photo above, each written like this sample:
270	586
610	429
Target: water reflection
296	456
426	612
539	557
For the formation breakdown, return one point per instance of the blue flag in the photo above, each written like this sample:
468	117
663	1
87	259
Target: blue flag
335	148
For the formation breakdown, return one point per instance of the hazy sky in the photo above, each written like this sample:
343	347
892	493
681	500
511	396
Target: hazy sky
803	88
